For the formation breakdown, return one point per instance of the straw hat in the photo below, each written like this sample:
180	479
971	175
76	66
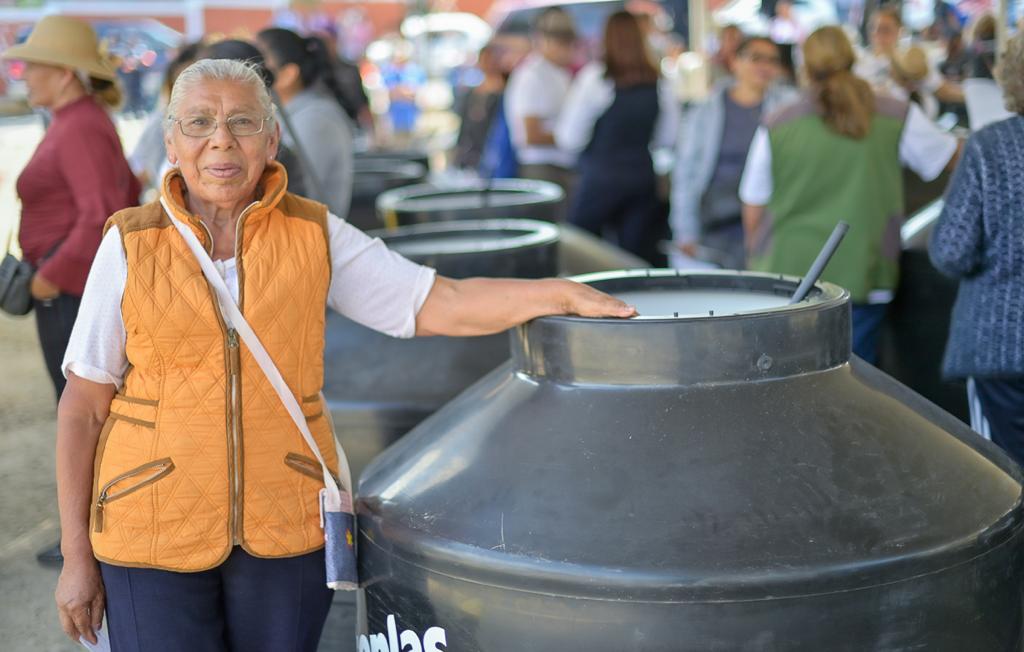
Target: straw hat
64	42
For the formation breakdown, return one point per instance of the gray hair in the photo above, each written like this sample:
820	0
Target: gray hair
1011	74
228	70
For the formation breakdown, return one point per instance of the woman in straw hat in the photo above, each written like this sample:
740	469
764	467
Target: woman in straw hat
75	180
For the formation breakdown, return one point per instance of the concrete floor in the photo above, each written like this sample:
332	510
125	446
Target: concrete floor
28	515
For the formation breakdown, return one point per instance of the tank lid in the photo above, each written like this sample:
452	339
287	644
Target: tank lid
693	327
469	195
464	237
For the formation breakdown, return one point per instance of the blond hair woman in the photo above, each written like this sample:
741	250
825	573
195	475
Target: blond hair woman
836	155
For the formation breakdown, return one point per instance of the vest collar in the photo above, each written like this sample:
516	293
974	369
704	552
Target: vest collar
270	189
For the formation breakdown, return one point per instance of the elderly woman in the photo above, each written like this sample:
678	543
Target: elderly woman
182	515
979	239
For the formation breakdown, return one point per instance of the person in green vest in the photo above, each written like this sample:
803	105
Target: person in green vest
836	154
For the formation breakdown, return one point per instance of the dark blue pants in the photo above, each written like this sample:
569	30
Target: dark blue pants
247	604
1002	411
54	320
867	328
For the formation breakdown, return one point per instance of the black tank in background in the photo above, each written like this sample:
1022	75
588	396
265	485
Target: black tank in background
378	387
374	176
580	251
477	200
395	156
694	483
917	323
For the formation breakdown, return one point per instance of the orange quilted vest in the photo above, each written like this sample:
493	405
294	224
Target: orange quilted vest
198	454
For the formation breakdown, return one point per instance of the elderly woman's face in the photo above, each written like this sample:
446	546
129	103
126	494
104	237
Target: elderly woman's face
221	168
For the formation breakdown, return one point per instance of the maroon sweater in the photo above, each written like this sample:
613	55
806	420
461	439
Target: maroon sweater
76	179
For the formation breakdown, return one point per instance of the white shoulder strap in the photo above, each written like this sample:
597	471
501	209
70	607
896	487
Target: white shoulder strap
230	308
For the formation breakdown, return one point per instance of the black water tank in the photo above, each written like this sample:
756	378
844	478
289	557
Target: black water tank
395	156
373	177
478	200
694	483
377	387
917	323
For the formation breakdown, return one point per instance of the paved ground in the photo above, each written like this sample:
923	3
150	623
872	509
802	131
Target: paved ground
28	517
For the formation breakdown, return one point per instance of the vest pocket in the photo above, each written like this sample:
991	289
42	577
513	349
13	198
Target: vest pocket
312	407
140	411
128	483
306	466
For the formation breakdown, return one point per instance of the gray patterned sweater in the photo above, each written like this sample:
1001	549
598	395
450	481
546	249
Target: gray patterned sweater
980	239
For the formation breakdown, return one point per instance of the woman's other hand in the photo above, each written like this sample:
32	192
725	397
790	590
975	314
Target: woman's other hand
80	597
482	306
83	410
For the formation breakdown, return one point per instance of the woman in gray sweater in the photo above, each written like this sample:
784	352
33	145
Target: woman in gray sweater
980	240
323	133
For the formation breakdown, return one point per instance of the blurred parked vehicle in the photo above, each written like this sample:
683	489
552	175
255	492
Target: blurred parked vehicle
141	47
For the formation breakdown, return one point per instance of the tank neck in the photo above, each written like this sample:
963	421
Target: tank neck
811	336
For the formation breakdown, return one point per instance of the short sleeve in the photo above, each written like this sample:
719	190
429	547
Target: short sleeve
589	97
934	80
925	148
756	184
96	350
373	285
527	94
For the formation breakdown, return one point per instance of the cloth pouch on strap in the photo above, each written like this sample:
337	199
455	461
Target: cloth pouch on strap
339	524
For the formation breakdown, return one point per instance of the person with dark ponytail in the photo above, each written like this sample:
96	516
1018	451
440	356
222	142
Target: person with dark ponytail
322	134
836	155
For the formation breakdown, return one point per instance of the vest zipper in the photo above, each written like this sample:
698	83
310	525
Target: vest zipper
159	468
234	388
236	462
237	511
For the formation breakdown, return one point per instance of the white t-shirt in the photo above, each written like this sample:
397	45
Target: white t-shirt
370	284
591	94
924	148
537	88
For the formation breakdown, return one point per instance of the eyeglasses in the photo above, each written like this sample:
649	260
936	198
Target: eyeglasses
200	126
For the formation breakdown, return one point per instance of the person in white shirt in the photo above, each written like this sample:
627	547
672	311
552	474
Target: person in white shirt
534	97
618	109
876	65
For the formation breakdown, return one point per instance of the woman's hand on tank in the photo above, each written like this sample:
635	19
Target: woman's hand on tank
80	597
482	306
584	301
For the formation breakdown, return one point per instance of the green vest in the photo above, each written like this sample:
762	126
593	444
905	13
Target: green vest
819	178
